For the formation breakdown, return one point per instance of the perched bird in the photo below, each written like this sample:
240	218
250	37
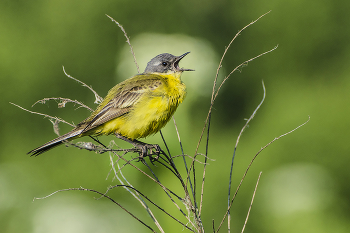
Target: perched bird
134	108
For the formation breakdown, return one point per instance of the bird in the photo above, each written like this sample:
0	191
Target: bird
135	108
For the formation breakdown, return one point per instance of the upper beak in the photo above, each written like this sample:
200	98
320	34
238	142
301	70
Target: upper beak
176	63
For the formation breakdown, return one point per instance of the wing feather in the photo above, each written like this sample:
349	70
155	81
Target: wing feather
121	99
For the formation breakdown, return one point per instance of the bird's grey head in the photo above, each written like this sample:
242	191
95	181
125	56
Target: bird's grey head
164	63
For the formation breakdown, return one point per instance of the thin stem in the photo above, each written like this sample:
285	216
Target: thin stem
234	153
250	164
251	203
98	99
127	41
109	198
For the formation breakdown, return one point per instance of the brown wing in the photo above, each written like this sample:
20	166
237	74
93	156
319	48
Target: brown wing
121	99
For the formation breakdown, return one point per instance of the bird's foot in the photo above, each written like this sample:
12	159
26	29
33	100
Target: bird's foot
148	150
144	149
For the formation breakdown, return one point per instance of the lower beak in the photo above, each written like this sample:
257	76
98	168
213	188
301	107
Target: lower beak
178	59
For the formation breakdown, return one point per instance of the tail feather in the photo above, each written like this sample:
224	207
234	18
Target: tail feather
55	142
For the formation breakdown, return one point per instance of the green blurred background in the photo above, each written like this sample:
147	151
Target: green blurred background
305	182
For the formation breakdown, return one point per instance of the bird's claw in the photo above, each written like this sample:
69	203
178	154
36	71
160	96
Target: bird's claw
149	150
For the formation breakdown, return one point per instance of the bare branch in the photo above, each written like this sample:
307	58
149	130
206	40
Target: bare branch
92	190
166	190
251	203
135	194
63	102
226	49
215	93
250	164
56	128
98	99
127	40
252	116
241	65
45	115
186	155
234	152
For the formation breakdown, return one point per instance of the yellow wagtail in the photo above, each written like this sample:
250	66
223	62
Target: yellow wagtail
134	108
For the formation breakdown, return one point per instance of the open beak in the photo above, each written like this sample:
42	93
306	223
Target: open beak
176	63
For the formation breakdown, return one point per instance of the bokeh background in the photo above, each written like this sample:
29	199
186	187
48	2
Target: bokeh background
305	181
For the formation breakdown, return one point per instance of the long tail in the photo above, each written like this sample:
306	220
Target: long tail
55	142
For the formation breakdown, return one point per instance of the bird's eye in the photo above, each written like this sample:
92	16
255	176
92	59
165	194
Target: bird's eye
164	64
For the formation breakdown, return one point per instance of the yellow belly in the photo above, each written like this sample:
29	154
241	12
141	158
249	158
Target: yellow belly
145	119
